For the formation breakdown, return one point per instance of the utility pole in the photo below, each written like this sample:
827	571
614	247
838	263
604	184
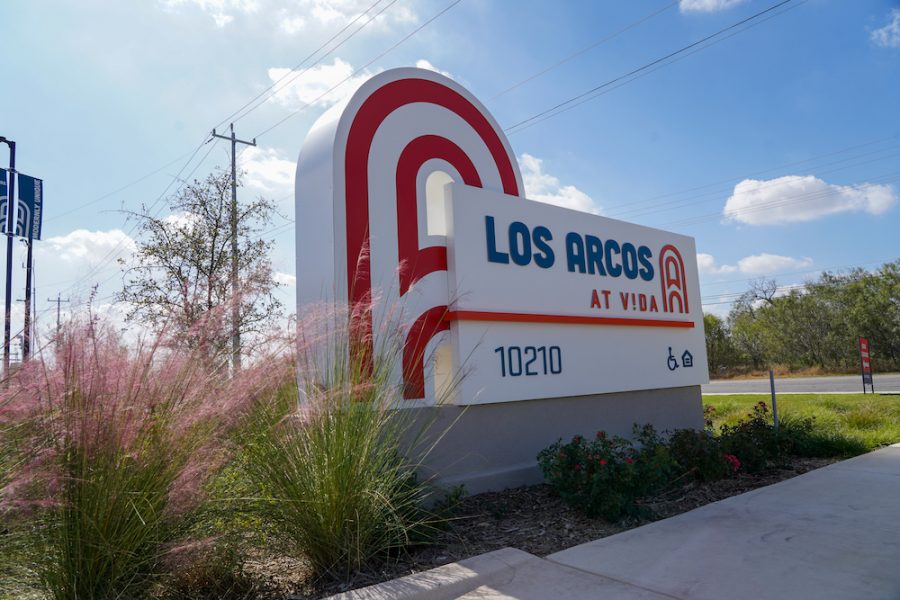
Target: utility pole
27	332
58	301
29	269
235	283
11	204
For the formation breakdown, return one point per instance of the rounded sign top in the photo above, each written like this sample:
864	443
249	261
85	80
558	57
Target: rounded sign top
369	198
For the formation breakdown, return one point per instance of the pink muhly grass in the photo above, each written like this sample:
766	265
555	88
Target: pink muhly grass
110	446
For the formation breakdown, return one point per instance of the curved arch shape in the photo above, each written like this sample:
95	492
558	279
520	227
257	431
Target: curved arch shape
368	118
673	280
415	262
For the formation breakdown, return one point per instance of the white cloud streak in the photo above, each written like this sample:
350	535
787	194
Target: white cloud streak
424	64
767	264
755	265
707	6
313	86
544	187
803	198
889	35
222	12
85	249
707	264
294	17
268	171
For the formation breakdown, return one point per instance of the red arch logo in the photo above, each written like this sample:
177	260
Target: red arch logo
415	262
673	280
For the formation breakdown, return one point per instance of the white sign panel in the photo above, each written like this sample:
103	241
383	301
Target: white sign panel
550	302
527	310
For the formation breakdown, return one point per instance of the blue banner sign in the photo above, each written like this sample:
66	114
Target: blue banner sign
4	200
31	204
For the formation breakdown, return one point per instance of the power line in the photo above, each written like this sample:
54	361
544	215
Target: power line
715	194
807	272
761	172
116	191
777	203
120	245
293	73
590	46
737	295
732	297
362	68
587	95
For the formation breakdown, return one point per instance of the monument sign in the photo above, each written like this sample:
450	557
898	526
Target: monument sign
411	208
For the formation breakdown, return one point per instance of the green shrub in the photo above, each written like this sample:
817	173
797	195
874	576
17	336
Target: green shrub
700	454
605	476
758	443
755	441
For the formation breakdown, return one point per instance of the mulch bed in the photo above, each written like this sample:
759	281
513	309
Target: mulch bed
528	518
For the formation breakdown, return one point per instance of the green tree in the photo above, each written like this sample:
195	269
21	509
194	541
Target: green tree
748	333
180	274
720	351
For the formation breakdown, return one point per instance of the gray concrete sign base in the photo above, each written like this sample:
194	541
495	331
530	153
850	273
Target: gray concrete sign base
491	447
833	533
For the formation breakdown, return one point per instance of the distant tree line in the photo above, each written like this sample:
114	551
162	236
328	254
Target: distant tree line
815	326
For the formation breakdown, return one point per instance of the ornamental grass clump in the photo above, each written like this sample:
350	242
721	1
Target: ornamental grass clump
339	466
111	447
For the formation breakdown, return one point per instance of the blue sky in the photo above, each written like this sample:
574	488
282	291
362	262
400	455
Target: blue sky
777	148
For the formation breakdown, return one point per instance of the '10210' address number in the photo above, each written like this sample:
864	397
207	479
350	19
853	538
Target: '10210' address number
530	360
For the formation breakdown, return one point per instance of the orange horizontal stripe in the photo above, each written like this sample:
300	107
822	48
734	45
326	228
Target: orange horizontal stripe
474	315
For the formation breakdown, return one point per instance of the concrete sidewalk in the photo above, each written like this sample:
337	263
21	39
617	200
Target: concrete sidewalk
833	533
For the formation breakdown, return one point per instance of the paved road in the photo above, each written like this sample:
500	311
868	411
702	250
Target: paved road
851	383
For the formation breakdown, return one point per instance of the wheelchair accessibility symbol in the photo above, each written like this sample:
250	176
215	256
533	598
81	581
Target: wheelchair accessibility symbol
687	360
672	362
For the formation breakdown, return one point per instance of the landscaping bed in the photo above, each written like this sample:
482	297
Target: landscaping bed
532	519
171	500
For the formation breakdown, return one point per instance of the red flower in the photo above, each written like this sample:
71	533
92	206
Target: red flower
601	435
602	461
577	467
734	462
629	460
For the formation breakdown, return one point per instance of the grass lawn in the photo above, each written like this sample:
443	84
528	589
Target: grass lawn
873	419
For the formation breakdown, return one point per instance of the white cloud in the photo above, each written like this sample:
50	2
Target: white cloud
291	24
330	11
297	88
285	278
707	6
889	35
544	187
803	198
424	64
85	249
707	264
767	264
312	86
293	17
268	171
221	11
757	264
73	263
181	220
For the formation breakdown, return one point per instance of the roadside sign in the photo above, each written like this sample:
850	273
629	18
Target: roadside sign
866	364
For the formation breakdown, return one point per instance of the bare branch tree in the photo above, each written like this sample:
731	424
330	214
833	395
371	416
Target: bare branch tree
179	275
